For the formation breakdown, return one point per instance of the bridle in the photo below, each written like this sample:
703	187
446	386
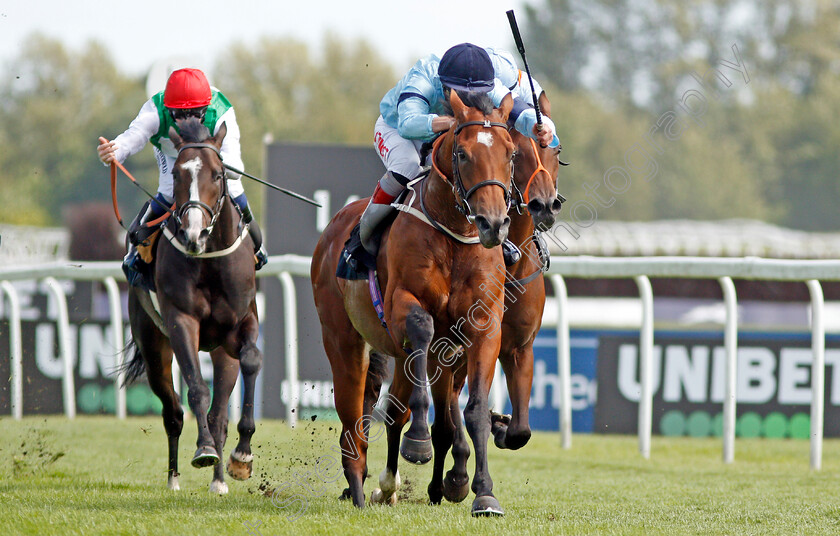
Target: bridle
458	188
212	212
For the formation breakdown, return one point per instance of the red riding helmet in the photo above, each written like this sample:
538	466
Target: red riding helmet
186	88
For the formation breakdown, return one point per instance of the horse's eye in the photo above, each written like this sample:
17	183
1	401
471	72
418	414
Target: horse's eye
461	153
219	175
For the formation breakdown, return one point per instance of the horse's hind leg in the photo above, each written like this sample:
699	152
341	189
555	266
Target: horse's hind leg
225	373
346	352
396	415
241	459
456	484
443	433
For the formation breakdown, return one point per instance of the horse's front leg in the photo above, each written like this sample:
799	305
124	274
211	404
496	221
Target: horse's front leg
419	329
225	373
518	364
481	364
183	336
241	459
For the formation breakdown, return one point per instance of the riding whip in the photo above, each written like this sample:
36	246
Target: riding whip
282	190
521	46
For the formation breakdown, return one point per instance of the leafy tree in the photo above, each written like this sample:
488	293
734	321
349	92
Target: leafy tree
55	105
281	90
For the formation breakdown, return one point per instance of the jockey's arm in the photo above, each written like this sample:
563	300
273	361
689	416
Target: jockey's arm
415	122
135	137
524	118
231	149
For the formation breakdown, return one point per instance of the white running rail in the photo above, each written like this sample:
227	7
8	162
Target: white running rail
641	269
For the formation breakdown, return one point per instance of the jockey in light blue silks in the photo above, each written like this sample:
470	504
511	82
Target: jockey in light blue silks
414	111
187	94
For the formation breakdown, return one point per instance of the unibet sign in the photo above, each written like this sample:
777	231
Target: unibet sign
773	376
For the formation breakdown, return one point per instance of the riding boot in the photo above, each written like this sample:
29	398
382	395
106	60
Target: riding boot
253	230
379	208
511	253
132	262
137	233
375	213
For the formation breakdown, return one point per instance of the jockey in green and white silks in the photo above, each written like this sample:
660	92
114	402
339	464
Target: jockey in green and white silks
187	94
152	126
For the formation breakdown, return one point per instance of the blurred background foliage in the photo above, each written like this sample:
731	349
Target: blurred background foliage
765	150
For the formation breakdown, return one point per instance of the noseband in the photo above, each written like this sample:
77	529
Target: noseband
458	185
213	212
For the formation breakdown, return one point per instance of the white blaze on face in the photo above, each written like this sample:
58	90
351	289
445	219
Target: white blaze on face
485	138
193	224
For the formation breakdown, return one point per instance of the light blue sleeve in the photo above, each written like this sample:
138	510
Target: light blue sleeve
415	121
526	121
499	92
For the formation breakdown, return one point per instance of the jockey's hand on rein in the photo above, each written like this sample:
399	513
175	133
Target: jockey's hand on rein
106	150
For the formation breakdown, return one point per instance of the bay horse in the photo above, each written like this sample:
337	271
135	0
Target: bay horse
439	287
538	203
205	279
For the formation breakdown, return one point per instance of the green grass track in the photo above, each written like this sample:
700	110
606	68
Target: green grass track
98	475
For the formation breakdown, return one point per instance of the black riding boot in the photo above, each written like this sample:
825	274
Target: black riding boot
253	230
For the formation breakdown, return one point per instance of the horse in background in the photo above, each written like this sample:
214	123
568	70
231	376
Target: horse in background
204	300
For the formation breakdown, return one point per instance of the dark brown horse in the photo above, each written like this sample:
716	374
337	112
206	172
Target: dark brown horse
204	276
536	169
442	298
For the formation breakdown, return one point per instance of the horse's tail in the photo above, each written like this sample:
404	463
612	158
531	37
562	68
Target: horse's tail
133	368
376	374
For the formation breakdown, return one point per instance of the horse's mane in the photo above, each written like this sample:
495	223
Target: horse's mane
473	99
193	130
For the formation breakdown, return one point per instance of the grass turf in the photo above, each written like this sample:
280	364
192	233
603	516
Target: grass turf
98	475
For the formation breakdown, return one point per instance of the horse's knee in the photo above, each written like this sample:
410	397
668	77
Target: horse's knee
250	360
419	327
199	394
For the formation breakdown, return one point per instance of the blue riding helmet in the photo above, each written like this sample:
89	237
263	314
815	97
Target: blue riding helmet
467	67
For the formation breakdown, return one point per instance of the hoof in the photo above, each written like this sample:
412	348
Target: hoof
172	483
417	451
218	487
379	498
487	506
345	495
498	421
454	492
205	457
239	466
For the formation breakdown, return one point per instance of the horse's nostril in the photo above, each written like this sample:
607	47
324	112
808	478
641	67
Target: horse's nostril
535	206
556	205
482	223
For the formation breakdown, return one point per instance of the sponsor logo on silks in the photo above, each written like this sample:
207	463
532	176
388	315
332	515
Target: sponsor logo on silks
380	145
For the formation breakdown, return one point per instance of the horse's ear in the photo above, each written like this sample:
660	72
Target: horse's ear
506	106
459	109
220	135
175	137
